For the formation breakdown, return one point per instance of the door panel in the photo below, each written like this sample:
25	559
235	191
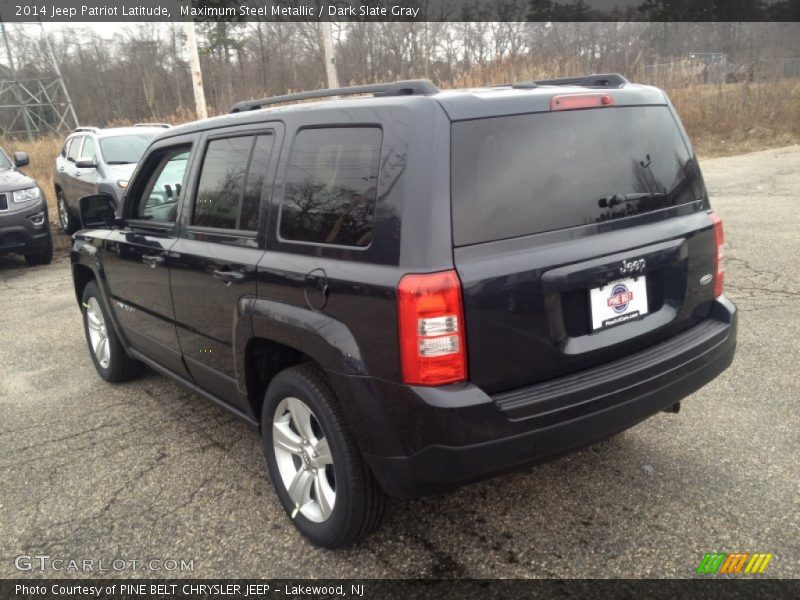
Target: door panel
212	277
213	273
137	270
138	257
84	183
70	170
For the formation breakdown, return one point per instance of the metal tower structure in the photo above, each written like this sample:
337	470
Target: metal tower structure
33	97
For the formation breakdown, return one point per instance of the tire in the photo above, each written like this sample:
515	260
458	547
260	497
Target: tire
68	223
358	502
43	257
113	365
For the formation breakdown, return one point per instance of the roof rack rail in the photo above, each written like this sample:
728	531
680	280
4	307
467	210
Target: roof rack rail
411	87
602	80
523	85
87	128
162	125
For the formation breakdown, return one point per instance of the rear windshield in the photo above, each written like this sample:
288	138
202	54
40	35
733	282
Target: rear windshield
525	174
124	149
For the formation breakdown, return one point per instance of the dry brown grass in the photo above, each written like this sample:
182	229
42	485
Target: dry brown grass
735	118
42	153
721	120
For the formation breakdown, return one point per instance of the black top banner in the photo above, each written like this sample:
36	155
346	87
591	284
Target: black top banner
369	589
399	10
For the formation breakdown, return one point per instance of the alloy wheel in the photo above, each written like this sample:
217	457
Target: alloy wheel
63	215
98	334
304	460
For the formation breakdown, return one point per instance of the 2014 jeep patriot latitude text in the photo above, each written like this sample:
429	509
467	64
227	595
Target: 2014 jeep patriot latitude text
415	289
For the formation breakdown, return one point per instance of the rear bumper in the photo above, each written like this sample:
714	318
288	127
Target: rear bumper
440	438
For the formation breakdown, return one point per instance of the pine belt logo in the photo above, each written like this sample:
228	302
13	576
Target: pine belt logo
721	563
620	297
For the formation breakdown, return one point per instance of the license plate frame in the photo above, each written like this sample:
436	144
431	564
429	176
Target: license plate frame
618	302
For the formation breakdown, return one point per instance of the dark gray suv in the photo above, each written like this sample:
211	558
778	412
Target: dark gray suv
24	227
98	161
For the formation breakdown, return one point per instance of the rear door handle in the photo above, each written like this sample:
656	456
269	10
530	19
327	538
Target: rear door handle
153	260
228	276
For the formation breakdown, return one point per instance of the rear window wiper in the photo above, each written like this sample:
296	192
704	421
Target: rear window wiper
615	199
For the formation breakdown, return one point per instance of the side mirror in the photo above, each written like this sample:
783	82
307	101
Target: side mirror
21	159
86	163
98	210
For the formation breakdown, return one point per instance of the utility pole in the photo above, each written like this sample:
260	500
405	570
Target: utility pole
197	75
330	61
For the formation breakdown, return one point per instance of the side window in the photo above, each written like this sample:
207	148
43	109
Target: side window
331	186
65	149
221	182
160	199
73	153
251	198
89	149
229	190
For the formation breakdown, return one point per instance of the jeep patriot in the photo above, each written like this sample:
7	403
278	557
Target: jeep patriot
409	289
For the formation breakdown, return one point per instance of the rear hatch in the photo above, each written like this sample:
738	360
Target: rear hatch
580	235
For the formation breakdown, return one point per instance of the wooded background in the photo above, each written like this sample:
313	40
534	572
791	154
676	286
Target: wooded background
740	91
142	73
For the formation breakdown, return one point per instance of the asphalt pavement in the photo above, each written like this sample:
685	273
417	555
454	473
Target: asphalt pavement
148	471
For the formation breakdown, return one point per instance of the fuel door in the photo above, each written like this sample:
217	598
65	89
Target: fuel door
315	287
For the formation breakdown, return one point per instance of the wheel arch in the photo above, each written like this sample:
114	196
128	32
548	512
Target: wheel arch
263	360
284	335
81	276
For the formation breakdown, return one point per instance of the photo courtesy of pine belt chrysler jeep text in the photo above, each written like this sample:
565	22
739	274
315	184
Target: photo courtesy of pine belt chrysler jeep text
412	289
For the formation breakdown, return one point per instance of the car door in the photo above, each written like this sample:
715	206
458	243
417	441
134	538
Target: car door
85	181
61	163
70	173
213	263
137	255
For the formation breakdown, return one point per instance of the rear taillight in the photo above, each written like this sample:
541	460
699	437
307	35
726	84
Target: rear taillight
431	320
719	238
576	101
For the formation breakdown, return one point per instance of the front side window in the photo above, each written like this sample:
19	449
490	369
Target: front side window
331	186
5	163
162	195
74	149
229	191
88	151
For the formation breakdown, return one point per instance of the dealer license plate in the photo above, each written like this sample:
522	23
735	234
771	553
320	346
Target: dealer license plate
618	302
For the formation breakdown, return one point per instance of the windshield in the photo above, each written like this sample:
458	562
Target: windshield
525	174
124	149
5	164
